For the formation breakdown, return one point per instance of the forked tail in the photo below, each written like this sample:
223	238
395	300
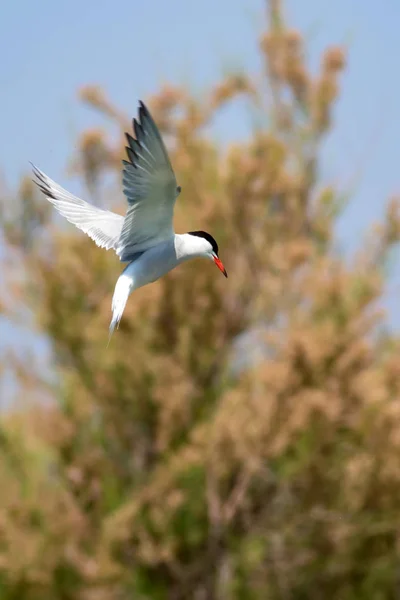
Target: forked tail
121	294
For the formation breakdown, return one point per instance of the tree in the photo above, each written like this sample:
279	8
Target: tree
161	470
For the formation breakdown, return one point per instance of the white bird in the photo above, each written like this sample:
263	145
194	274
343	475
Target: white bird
145	237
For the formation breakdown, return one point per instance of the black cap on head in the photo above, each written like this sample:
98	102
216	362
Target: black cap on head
208	237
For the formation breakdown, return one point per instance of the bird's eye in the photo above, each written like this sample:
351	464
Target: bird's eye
178	189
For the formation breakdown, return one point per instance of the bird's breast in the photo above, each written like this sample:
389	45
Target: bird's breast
153	264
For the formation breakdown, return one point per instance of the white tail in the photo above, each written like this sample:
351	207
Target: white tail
121	294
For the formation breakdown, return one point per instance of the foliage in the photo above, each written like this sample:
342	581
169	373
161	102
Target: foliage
160	472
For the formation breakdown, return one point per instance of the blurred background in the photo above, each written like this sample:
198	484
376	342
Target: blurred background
240	438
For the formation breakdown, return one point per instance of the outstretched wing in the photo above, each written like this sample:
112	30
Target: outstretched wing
150	187
103	226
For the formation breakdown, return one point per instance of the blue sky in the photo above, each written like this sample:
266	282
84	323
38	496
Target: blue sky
50	48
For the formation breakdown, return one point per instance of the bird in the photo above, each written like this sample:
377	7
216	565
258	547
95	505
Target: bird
145	237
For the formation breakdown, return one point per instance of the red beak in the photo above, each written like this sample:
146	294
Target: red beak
220	266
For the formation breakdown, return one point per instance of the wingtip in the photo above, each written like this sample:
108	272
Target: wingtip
36	179
34	169
129	138
137	123
39	179
137	128
143	110
38	174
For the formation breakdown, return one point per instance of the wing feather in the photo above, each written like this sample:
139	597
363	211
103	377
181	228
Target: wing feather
102	226
150	188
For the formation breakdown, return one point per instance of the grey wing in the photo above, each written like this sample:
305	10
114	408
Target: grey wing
103	226
149	185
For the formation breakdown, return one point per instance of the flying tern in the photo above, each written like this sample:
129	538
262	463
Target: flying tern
145	237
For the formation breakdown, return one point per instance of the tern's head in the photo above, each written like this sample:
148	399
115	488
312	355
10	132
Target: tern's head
207	247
